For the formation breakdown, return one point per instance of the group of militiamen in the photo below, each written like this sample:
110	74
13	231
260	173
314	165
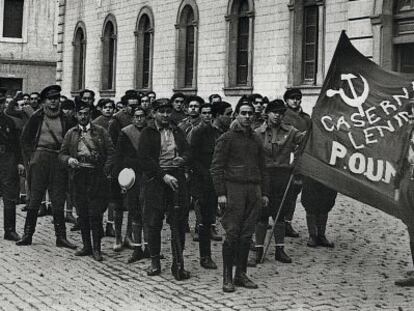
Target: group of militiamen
156	158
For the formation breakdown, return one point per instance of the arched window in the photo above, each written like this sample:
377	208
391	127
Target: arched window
240	19
307	38
186	51
109	38
79	56
144	43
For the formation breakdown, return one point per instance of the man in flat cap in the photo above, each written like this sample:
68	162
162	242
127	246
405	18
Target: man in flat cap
120	120
280	141
300	120
88	150
10	165
41	141
164	151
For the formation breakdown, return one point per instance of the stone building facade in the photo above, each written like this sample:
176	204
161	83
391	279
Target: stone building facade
28	44
230	47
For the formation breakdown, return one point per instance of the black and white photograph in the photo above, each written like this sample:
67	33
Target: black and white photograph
230	155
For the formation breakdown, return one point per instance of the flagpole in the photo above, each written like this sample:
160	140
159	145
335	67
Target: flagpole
266	249
292	174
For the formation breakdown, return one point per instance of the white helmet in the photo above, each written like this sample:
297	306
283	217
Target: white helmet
126	179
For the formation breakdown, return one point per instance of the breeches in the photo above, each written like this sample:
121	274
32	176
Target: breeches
47	173
244	202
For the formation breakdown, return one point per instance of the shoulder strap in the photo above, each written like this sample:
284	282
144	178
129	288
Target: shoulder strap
52	133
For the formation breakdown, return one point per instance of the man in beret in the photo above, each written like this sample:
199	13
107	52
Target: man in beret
300	120
87	149
237	172
178	114
11	165
280	141
164	152
120	120
41	141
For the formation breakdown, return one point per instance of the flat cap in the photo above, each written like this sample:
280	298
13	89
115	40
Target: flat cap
276	105
291	93
162	103
50	91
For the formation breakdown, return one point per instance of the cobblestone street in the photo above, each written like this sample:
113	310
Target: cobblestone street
371	253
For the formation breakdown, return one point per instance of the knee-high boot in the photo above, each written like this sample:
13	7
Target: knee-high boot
137	243
205	247
128	243
312	229
96	226
9	212
119	216
260	234
321	221
240	278
154	243
60	230
29	227
228	255
279	234
86	237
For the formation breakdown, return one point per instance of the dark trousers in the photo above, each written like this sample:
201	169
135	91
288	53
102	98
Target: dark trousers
278	180
295	189
90	189
317	199
47	173
244	202
9	178
160	200
134	199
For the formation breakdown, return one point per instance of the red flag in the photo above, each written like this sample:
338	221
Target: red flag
358	123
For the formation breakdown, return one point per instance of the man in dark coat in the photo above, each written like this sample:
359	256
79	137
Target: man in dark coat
178	113
280	141
41	141
11	164
87	149
237	171
300	120
163	153
107	108
202	143
120	120
126	156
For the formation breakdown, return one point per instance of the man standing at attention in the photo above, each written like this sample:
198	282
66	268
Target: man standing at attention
237	171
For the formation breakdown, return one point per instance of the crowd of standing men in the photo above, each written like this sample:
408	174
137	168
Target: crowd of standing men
155	158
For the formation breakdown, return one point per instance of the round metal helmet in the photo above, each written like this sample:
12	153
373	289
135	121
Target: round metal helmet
126	179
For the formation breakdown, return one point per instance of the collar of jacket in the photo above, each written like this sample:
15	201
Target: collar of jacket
263	128
238	128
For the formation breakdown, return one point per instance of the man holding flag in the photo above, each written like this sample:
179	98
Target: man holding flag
360	134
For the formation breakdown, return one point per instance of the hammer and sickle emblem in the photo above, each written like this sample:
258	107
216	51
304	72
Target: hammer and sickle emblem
354	101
